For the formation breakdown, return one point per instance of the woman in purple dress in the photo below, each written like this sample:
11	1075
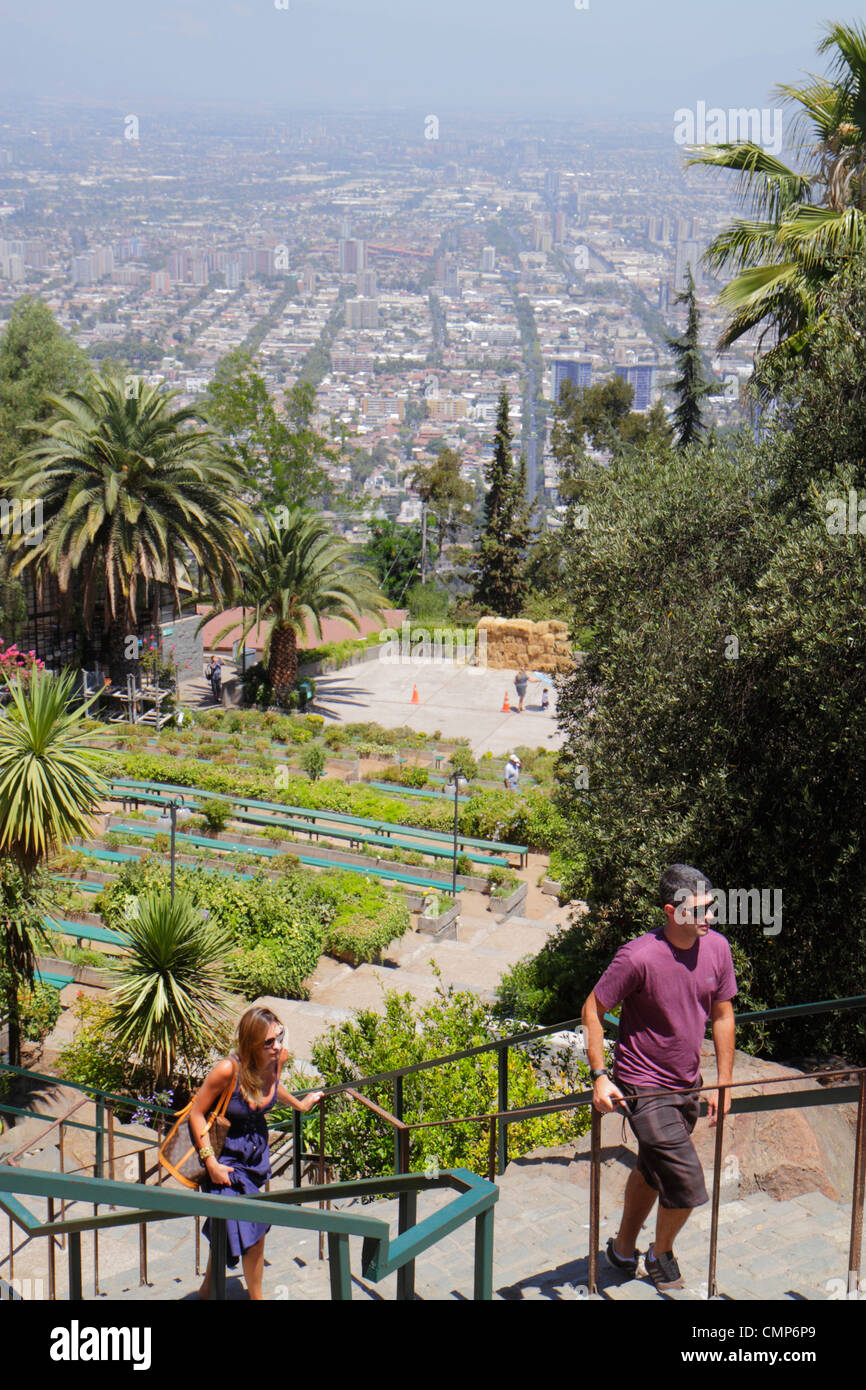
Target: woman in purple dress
245	1163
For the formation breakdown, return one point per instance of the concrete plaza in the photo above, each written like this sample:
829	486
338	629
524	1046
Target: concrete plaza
460	701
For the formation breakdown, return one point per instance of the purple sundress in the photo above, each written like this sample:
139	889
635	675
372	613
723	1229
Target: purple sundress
246	1151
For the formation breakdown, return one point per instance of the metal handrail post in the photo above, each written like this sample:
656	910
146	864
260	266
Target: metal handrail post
142	1228
297	1146
594	1196
218	1247
407	1207
398	1115
856	1247
52	1255
100	1136
74	1258
712	1291
502	1104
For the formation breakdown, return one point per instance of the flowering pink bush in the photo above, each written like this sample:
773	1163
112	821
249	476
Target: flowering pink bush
14	663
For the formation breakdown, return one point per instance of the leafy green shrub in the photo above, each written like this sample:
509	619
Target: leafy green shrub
503	882
217	813
161	844
463	762
465	865
94	1057
408	1033
313	761
38	1011
409	776
362	916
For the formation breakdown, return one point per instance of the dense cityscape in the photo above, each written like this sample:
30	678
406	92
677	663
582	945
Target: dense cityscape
408	269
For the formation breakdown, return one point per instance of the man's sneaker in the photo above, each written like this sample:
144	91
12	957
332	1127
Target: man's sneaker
664	1271
626	1264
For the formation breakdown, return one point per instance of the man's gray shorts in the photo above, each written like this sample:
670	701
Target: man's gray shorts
666	1157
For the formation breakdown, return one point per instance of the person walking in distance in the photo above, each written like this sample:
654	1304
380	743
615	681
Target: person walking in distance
244	1165
512	772
670	981
216	679
521	681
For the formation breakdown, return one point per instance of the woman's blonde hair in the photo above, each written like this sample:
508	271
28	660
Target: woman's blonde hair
252	1031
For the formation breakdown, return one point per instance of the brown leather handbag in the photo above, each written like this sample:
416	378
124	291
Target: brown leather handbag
178	1153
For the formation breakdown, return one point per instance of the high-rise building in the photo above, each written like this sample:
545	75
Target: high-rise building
265	262
578	373
367	284
83	269
488	259
559	228
450	276
353	255
160	282
232	273
688	254
309	280
642	378
551	184
362	313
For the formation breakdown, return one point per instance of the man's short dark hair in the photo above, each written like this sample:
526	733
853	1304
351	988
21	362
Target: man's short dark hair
682	879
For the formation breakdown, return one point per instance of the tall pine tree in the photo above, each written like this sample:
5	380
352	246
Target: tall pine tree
499	582
690	386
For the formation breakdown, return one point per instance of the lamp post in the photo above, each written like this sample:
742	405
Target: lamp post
456	778
177	811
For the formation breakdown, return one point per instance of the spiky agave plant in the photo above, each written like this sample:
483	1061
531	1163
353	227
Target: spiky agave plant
169	998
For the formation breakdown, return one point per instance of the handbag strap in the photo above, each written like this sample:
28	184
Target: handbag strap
227	1094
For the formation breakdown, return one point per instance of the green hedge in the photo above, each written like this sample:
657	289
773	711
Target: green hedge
530	819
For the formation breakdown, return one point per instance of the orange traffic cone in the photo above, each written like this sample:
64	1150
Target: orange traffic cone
414	695
506	708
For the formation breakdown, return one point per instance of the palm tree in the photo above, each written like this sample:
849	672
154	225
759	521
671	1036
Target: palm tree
48	793
170	999
804	226
132	493
300	573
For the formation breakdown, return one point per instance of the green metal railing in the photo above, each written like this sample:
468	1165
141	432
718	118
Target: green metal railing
381	1255
503	1116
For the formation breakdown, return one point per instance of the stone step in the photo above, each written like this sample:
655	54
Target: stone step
540	1252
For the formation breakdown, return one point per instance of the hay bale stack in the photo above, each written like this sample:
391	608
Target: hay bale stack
515	642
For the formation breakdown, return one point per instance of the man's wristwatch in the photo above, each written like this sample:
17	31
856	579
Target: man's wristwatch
601	1072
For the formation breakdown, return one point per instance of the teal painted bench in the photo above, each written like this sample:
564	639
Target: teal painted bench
343	818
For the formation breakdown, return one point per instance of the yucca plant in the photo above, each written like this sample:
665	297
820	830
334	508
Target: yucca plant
49	790
169	999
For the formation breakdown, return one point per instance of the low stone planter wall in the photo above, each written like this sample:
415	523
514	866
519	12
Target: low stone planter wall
551	887
444	926
78	974
506	906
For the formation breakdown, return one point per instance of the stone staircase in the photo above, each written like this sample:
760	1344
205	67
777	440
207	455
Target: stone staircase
795	1249
485	947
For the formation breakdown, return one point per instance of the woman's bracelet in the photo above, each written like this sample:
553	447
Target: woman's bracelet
206	1151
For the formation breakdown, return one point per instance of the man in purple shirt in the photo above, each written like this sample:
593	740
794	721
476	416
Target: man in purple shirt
670	982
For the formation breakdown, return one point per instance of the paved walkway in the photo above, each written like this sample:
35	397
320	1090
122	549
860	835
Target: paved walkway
460	701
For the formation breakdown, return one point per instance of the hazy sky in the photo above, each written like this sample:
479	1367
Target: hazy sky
529	57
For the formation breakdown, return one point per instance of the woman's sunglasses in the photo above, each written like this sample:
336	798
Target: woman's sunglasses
275	1042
